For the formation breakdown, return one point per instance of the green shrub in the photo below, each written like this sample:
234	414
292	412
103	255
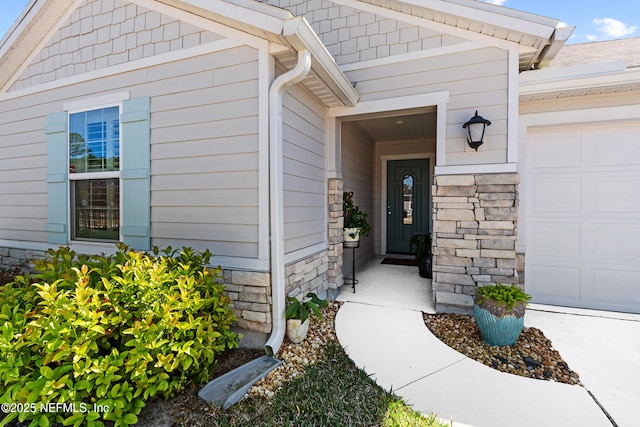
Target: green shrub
510	295
109	331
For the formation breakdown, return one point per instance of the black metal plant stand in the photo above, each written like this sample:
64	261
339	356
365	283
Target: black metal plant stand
353	246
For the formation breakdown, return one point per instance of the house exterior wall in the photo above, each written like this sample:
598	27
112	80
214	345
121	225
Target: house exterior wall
305	182
357	175
101	34
353	35
203	120
475	79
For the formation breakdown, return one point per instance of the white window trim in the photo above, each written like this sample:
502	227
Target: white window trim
81	106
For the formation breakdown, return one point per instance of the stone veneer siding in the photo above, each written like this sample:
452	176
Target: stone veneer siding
21	258
251	298
475	220
336	223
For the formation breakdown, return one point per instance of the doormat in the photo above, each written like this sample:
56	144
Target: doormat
400	261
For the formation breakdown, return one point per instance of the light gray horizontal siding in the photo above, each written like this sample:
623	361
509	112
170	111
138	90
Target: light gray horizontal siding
475	80
357	175
305	184
204	152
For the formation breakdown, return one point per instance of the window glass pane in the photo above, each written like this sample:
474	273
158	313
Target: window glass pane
97	209
94	141
407	199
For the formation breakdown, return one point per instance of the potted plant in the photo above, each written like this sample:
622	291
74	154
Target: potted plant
355	221
499	313
297	315
420	247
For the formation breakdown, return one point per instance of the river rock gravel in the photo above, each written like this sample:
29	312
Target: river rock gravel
297	357
532	356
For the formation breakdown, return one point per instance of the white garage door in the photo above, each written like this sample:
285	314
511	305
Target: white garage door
582	224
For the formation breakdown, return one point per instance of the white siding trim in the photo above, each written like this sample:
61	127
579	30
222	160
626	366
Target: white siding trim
513	106
412	56
383	190
151	61
441	134
207	24
425	23
573	117
241	264
96	102
392	104
333	148
266	73
473	169
303	253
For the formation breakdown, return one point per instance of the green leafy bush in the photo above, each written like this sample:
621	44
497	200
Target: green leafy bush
510	295
108	332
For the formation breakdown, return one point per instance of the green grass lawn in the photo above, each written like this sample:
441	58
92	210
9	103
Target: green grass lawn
333	392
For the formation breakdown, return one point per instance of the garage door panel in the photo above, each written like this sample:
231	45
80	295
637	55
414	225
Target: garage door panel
615	285
617	241
557	151
582	216
610	151
618	194
556	238
556	194
560	284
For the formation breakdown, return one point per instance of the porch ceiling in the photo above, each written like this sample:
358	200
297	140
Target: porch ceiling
399	127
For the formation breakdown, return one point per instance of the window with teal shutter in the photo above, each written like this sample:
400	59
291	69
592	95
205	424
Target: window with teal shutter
98	175
135	174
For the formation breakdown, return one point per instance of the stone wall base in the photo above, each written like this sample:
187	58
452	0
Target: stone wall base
251	298
474	236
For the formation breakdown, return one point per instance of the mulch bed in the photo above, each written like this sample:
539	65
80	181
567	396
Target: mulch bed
532	356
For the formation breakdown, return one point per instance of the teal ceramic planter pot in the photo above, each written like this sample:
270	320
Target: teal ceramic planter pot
497	325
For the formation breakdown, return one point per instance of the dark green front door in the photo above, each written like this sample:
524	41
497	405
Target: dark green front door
407	202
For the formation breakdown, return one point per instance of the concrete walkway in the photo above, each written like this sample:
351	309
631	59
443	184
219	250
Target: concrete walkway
381	328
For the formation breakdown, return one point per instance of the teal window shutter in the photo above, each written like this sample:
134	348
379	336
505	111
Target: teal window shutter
57	185
135	164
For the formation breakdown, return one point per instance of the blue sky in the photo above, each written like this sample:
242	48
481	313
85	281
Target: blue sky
594	19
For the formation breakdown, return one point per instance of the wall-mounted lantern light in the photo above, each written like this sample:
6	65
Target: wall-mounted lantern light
475	130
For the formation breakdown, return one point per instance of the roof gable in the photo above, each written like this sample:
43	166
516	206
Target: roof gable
45	23
98	35
535	36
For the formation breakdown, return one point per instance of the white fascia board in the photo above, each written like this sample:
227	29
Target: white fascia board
19	25
426	23
30	43
221	25
246	12
299	33
391	104
577	77
536	25
177	55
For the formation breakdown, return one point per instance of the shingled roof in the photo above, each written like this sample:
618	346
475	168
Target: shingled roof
627	50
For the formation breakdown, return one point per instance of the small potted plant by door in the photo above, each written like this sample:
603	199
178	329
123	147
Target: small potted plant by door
298	313
420	247
355	221
499	313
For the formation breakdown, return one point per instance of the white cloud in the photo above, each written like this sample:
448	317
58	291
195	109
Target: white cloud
497	2
613	28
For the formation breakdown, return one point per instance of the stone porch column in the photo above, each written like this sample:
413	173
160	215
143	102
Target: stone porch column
474	236
336	223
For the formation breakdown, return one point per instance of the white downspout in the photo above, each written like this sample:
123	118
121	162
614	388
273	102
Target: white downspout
276	196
